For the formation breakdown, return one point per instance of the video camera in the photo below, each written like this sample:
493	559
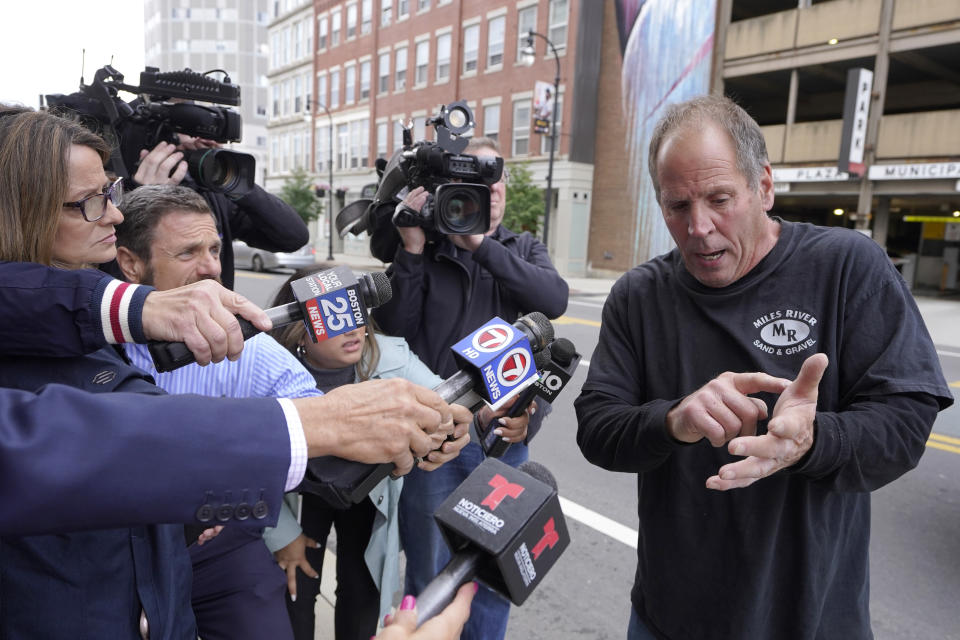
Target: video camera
158	114
458	183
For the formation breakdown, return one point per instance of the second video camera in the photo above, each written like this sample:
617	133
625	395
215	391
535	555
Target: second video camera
458	183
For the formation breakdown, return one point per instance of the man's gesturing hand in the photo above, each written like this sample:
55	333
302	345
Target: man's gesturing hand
374	421
789	433
201	315
721	409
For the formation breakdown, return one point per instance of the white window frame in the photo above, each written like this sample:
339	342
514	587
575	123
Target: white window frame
444	43
556	22
400	82
421	63
495	48
488	131
521	127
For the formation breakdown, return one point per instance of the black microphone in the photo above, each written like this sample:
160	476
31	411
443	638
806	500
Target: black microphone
330	302
341	483
508	529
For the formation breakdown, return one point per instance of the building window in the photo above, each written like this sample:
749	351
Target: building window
364	80
274	155
335	28
296	150
545	137
526	22
343	146
382	140
349	84
276	101
386	13
308	29
423	5
286	45
364	143
491	121
322	35
297	92
307	105
521	128
298	41
471	47
397	135
334	89
443	57
322	89
323	152
383	73
423	60
274	50
403	9
495	42
351	21
419	128
366	16
401	78
558	24
286	97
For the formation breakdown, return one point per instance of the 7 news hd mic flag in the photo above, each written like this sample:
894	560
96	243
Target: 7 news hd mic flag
503	357
543	104
512	520
332	304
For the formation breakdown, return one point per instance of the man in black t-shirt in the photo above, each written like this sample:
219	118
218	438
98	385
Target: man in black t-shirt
761	379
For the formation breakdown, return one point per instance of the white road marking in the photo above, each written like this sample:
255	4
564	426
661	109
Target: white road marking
603	524
952	354
595	305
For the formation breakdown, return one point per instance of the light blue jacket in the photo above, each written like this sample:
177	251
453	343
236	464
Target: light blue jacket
383	552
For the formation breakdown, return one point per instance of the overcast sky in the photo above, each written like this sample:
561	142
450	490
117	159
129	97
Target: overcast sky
41	44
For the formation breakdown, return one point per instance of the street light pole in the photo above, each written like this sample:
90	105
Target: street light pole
330	186
529	55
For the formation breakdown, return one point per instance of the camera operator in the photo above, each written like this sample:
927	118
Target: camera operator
260	219
445	286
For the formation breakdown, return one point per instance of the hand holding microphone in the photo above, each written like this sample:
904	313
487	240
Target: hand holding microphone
330	302
507	528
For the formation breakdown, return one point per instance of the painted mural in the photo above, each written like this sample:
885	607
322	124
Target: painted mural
667	48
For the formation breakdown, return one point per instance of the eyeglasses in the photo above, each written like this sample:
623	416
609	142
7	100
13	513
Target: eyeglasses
98	208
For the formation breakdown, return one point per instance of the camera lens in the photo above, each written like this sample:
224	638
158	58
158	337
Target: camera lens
222	170
462	209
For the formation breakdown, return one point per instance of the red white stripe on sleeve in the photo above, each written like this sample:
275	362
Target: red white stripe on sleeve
114	312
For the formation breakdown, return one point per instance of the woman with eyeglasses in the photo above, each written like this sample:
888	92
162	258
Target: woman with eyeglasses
58	208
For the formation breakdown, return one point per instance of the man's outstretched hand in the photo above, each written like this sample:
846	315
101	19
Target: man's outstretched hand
789	434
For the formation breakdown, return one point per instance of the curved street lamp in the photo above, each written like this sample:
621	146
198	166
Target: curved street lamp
529	55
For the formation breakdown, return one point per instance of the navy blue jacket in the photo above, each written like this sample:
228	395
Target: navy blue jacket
92	584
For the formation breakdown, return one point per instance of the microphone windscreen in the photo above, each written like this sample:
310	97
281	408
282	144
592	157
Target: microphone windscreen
374	287
539	472
540	327
563	351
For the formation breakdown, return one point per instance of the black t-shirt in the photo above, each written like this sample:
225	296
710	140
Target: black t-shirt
787	556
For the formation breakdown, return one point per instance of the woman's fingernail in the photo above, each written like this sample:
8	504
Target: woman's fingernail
293	597
476	586
408	603
386	619
533	410
506	439
498	432
502	421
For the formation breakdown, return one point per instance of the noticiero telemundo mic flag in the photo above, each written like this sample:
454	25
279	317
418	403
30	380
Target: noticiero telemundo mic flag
543	104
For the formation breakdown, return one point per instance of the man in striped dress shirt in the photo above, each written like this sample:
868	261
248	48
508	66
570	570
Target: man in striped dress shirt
168	239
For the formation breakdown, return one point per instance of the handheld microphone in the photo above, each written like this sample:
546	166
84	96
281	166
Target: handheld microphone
341	483
508	529
556	364
499	358
330	303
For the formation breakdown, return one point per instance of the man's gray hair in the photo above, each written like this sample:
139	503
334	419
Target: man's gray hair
747	137
144	207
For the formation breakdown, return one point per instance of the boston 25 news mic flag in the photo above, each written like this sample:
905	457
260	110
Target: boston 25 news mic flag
330	303
506	529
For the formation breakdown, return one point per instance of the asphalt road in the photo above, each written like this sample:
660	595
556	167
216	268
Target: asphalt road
915	564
